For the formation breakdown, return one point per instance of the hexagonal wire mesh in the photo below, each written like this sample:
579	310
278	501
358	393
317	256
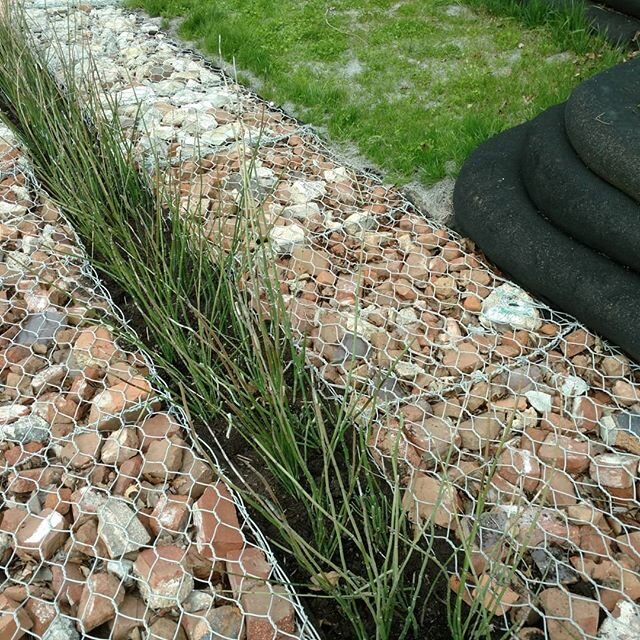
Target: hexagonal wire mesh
518	428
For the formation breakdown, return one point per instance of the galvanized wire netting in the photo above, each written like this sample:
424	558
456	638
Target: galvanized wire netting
518	429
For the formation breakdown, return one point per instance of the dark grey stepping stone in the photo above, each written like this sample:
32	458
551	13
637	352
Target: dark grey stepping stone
575	199
492	206
602	119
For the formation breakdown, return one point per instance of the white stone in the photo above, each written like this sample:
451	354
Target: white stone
11	209
573	386
510	305
175	117
198	123
135	95
11	412
330	223
220	135
167	87
608	430
266	178
524	419
17	261
359	325
407	370
625	627
541	402
301	211
284	239
336	175
303	191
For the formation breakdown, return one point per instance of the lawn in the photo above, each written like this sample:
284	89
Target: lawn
414	85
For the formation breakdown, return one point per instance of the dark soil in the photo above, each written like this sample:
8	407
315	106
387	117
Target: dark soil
323	611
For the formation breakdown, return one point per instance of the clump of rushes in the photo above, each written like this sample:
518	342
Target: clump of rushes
225	362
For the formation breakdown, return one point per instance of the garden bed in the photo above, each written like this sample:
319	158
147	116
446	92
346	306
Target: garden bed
507	422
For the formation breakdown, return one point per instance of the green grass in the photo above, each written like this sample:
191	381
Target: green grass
415	85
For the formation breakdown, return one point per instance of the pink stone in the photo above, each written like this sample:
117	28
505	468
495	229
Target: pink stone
564	453
41	535
569	616
245	567
68	582
429	498
101	596
158	427
14	620
162	460
216	520
268	612
164	579
612	470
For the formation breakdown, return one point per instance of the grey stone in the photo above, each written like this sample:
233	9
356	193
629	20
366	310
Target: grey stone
199	601
621	430
250	187
628	421
511	306
119	528
553	564
491	531
40	328
391	390
435	202
355	346
31	428
225	622
61	628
